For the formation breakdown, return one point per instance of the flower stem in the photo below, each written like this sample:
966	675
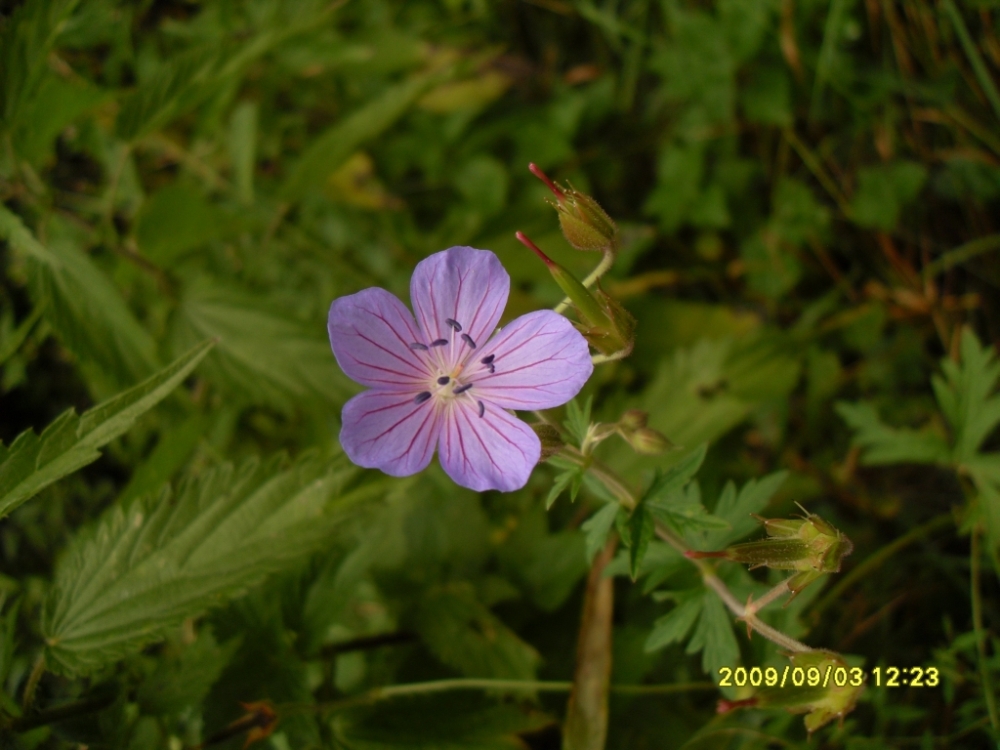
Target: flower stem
625	496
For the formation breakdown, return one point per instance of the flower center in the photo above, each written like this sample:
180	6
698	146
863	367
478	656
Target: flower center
448	384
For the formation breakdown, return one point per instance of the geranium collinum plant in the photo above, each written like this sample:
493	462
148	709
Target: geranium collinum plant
445	380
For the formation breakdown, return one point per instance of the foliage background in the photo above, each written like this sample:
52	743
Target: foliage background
808	193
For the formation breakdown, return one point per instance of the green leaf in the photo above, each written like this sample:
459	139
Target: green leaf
466	636
185	674
27	37
677	475
883	190
560	483
714	636
33	462
243	149
736	508
673	627
597	527
176	220
887	445
457	721
8	631
641	528
57	103
172	451
10	344
174	87
578	418
331	149
82	304
966	395
682	510
263	357
142	570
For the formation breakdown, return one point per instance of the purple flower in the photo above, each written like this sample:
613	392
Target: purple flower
444	380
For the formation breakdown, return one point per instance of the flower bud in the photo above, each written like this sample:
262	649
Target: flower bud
633	419
648	441
585	225
810	546
606	325
826	689
550	439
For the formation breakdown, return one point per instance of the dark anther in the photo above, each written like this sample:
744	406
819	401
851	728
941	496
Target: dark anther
421	397
462	388
488	360
444	380
482	408
468	340
439	342
454	324
416	345
493	369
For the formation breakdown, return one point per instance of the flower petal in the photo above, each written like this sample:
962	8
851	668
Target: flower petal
463	285
387	430
371	333
494	452
538	361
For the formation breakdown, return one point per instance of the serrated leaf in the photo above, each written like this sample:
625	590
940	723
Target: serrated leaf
175	86
183	678
714	636
641	527
457	721
736	508
332	148
682	511
33	462
466	636
888	445
261	356
28	35
142	570
83	305
677	475
967	395
10	344
578	418
673	627
596	528
560	483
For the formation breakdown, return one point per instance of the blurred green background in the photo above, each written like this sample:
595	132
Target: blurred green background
808	193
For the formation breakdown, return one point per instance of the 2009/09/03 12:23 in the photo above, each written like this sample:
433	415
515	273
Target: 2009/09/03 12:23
833	675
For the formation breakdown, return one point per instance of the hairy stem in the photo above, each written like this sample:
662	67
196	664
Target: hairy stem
734	605
628	499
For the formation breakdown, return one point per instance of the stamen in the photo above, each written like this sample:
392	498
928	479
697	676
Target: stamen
468	340
444	380
421	397
493	369
462	388
488	360
454	324
482	408
440	342
418	345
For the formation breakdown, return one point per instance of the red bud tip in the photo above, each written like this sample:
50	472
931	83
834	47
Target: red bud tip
545	178
724	706
534	248
692	554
